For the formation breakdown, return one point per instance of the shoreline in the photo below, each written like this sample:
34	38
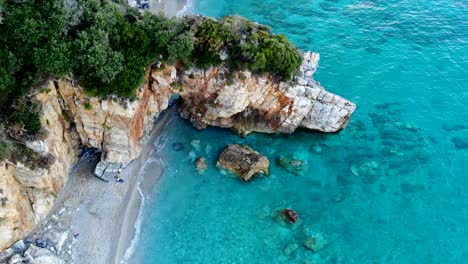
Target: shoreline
171	8
132	212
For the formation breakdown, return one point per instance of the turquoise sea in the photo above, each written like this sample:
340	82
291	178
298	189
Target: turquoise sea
391	188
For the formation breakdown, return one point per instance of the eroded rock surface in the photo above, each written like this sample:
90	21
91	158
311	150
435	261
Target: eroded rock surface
27	194
247	103
244	161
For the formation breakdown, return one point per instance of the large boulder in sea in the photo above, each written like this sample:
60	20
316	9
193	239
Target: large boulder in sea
244	161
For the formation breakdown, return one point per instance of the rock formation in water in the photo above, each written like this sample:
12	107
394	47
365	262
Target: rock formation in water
292	164
212	97
289	215
201	164
247	103
243	161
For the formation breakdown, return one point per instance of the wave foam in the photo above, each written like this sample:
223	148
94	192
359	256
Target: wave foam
131	249
186	10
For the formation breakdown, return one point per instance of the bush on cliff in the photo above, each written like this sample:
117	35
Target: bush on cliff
6	146
245	44
33	46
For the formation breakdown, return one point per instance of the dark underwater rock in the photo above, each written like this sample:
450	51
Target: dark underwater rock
292	164
460	143
457	127
407	187
289	215
178	146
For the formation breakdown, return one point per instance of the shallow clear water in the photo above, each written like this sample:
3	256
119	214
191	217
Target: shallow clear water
391	188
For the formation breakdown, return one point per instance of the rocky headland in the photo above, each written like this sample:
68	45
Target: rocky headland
119	130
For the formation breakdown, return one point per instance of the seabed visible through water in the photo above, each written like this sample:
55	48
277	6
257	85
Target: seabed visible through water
390	188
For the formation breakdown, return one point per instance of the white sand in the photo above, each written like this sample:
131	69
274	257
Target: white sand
168	7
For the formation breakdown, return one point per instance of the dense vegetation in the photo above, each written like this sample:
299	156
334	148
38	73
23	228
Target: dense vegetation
107	46
247	44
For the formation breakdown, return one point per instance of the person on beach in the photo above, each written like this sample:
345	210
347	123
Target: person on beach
118	179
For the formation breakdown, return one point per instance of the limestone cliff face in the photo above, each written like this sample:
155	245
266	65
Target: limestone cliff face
27	194
113	126
238	100
247	103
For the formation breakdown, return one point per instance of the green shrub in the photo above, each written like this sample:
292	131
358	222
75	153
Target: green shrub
6	146
25	113
88	106
106	127
178	85
246	44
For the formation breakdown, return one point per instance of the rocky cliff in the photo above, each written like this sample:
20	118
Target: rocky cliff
248	103
118	128
73	120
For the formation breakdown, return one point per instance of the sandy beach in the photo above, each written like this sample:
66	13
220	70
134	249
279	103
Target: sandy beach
94	221
170	8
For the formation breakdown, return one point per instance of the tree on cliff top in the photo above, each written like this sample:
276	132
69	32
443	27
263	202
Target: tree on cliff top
107	46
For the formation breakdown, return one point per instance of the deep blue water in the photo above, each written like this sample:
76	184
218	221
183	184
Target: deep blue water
391	188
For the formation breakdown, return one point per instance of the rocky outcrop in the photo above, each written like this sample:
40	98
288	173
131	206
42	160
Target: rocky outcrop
289	215
247	103
22	252
201	164
16	212
116	127
243	161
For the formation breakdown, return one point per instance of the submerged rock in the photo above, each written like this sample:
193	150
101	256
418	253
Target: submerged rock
293	165
244	161
315	242
195	144
289	215
177	146
290	248
460	143
201	165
